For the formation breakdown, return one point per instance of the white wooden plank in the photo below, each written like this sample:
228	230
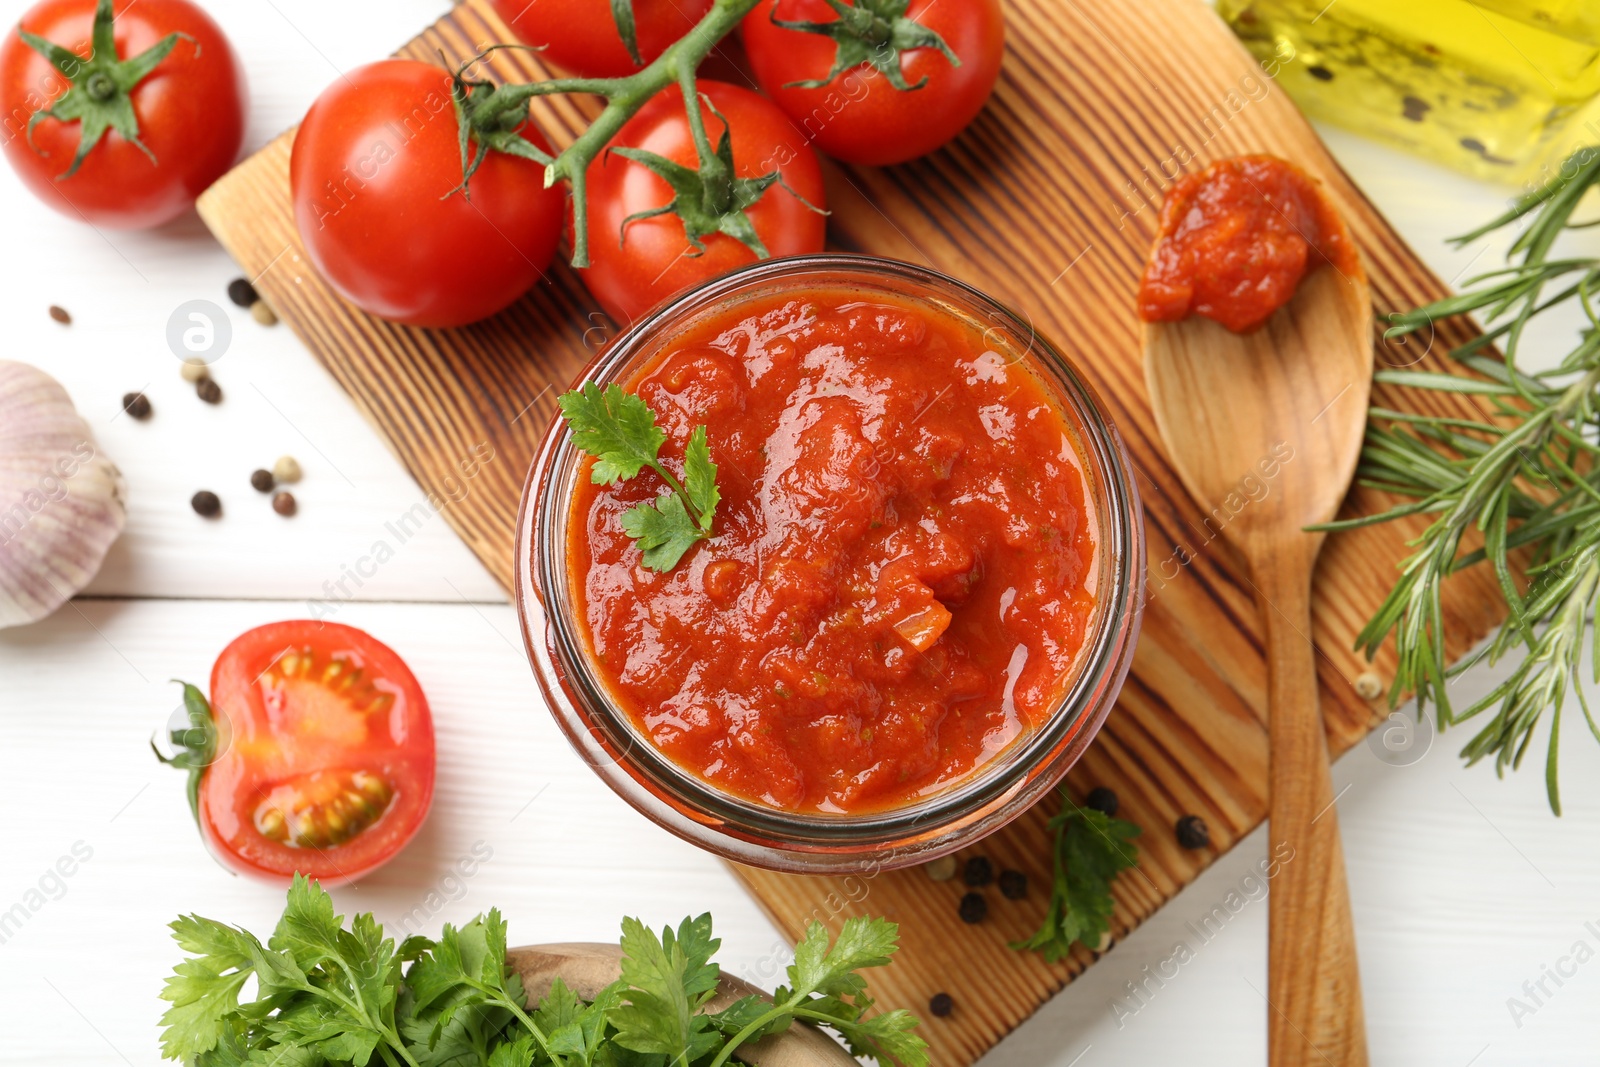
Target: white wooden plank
1464	887
121	288
79	699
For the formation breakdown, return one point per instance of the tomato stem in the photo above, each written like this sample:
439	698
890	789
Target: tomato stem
482	108
100	98
871	33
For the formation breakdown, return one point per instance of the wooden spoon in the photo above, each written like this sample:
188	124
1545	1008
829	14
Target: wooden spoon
1284	407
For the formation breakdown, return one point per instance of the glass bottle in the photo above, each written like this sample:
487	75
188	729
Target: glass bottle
1501	89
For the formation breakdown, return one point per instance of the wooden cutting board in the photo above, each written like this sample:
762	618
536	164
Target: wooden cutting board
1048	202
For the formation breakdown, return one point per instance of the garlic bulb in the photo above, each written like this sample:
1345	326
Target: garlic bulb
60	499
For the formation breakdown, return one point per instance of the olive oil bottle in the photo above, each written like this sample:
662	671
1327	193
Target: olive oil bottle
1502	89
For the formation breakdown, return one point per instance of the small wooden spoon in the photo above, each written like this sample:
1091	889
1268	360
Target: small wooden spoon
1230	407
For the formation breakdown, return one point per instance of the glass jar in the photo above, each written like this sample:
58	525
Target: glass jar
1501	89
759	835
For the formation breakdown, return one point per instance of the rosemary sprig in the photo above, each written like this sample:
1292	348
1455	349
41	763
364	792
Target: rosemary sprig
1525	478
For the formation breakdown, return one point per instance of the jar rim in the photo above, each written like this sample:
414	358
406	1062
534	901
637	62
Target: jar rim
1004	784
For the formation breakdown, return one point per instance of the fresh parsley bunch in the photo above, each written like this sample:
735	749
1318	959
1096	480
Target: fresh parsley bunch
327	996
1091	849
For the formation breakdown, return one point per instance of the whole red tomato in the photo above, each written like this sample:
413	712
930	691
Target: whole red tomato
857	115
375	175
315	754
654	257
188	110
581	36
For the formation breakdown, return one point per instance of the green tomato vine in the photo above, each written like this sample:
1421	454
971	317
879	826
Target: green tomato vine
710	198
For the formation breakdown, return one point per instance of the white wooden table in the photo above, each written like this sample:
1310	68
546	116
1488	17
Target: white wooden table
1464	888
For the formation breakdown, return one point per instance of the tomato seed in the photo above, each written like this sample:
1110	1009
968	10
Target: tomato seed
323	809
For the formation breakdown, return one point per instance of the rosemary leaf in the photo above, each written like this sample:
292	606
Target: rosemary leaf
1526	477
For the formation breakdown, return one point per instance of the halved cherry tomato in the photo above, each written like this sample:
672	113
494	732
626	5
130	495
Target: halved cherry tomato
323	758
187	111
630	271
857	116
375	175
581	36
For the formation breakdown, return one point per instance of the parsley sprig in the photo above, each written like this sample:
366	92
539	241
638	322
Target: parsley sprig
330	995
620	431
1091	849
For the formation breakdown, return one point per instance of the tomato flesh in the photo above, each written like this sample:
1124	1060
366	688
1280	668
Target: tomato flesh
902	572
190	112
326	753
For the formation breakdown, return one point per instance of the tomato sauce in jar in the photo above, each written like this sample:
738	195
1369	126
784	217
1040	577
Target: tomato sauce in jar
903	568
1235	241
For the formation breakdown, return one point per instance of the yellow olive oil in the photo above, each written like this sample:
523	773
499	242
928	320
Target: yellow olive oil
1501	89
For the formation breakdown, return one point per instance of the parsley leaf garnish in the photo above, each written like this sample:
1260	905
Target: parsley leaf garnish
825	988
1091	849
619	430
331	994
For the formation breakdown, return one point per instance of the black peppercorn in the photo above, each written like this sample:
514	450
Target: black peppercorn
206	504
1322	74
284	504
974	909
940	1005
136	404
242	292
208	390
262	481
1013	885
978	872
1102	799
1192	832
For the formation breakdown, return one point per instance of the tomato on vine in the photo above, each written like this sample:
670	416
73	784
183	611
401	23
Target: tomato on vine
314	754
664	215
120	114
591	38
381	204
877	82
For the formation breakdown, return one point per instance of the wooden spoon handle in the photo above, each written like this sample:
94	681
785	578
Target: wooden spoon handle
1315	1017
